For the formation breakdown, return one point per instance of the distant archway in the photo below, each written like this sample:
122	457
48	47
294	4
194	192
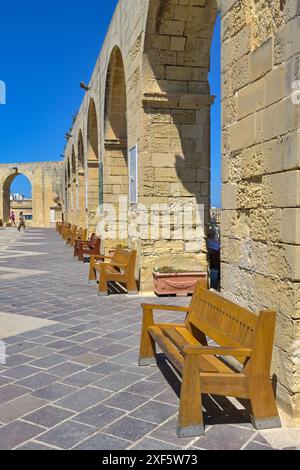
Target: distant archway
92	165
16	198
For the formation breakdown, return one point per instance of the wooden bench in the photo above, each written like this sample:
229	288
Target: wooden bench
89	248
65	230
67	233
87	242
71	234
239	333
58	226
118	268
63	226
75	234
80	236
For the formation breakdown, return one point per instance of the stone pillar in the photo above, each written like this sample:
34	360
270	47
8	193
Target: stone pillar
81	212
92	194
174	170
115	184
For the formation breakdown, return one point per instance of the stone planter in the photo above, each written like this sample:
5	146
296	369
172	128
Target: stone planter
177	283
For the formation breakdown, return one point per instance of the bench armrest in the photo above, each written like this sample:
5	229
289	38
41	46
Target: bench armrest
221	351
101	257
171	308
114	265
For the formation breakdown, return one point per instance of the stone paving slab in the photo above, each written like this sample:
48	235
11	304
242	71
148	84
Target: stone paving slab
72	380
12	325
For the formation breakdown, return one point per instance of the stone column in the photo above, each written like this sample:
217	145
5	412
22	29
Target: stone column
174	170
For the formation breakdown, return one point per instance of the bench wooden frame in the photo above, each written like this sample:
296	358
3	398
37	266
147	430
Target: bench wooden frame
58	226
71	234
63	226
79	235
78	242
89	248
239	333
118	268
67	230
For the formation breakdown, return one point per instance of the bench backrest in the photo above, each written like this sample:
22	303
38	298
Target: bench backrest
126	257
230	325
93	240
223	321
81	234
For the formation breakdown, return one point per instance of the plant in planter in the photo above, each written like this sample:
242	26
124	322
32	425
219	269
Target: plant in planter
168	280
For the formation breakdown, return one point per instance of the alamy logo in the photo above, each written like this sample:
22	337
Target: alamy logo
2	353
2	92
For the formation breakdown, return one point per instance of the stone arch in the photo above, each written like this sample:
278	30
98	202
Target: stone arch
69	189
115	112
80	151
92	165
66	186
73	187
68	172
46	179
115	130
7	203
73	162
81	212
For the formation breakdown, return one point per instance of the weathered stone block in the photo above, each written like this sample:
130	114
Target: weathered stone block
242	134
261	60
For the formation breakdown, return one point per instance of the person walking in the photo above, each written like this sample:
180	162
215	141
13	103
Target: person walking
13	218
21	222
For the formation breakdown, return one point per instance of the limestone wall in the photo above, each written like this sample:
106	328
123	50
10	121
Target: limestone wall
261	173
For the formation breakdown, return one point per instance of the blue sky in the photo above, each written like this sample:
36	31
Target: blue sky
47	49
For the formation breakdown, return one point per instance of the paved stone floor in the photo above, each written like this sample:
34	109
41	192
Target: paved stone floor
71	380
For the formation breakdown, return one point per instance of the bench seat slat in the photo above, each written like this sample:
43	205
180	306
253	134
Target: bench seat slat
170	338
167	347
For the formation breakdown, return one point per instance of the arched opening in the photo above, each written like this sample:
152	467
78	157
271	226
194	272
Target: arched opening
66	196
115	125
214	233
81	203
115	131
73	162
92	189
73	189
69	191
17	198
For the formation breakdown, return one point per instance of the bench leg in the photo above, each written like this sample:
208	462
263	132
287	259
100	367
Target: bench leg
264	409
132	287
190	421
80	254
92	272
103	291
147	356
